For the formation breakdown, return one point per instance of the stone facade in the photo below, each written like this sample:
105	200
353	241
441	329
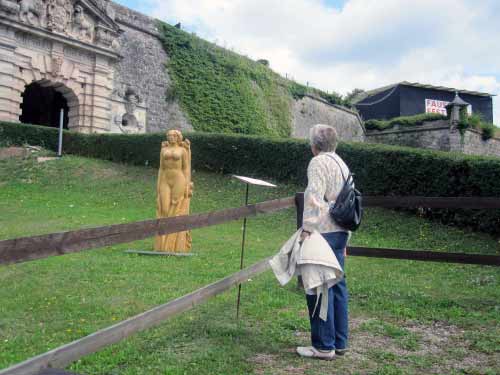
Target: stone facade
310	111
67	45
437	135
106	61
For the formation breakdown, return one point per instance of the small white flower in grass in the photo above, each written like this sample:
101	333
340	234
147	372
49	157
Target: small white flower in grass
71	205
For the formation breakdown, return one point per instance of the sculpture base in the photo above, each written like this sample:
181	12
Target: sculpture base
164	253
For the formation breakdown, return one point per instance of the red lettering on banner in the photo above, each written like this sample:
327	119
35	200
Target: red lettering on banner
435	106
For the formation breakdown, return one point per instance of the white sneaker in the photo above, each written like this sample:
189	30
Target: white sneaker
341	351
312	352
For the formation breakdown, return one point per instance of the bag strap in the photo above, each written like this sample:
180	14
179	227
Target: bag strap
340	167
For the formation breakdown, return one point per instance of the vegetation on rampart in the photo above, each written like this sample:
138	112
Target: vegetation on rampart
476	121
222	91
403	121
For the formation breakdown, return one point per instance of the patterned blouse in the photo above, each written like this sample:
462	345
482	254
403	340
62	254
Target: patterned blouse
324	181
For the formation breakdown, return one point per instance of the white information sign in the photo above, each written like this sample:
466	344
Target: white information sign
253	181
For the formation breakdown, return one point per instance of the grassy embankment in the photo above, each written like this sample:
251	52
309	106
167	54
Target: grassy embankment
407	317
222	91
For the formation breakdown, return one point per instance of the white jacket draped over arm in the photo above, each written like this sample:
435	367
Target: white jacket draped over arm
314	260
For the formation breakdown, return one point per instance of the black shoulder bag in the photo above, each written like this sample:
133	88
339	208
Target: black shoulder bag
347	210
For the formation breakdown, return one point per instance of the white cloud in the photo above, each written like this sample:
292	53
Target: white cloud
366	44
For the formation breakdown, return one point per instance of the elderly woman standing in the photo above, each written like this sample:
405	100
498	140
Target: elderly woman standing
325	181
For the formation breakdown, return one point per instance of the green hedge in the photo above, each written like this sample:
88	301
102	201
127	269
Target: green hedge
380	169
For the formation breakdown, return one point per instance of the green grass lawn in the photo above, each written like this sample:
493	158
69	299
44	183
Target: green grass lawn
406	317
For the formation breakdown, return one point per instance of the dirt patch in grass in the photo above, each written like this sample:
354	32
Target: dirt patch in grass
273	364
409	347
451	349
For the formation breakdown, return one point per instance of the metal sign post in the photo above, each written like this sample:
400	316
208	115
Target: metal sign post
61	124
248	181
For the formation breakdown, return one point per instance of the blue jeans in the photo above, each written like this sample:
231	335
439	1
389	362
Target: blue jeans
333	333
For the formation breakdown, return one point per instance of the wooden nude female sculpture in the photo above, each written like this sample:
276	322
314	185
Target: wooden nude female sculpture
174	190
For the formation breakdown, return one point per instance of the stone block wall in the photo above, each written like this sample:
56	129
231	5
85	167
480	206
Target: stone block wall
431	135
437	135
473	144
142	68
309	111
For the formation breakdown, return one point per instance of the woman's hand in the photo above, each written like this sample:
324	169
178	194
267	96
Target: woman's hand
304	235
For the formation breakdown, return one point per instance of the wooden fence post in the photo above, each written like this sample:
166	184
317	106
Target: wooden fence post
299	203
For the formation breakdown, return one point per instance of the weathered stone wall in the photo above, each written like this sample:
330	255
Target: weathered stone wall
143	69
473	144
437	135
430	135
309	111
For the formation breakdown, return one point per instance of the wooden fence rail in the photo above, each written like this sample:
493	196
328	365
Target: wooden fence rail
475	203
37	247
412	202
424	255
66	354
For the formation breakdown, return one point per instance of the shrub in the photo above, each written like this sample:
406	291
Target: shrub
488	131
380	169
403	121
476	121
297	90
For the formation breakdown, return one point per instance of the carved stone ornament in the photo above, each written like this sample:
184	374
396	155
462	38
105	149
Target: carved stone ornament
105	37
32	12
59	14
9	6
131	100
57	62
128	123
102	4
82	27
67	17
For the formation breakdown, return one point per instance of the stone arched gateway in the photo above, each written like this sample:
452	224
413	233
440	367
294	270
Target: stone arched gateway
42	101
70	46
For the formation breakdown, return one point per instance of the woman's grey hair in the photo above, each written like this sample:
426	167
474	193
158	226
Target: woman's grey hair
323	137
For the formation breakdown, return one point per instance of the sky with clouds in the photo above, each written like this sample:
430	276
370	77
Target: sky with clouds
339	45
